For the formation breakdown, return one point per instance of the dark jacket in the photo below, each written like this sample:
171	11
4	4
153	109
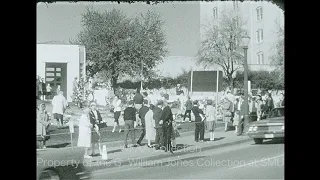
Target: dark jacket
129	114
142	113
196	112
93	119
189	105
166	115
242	109
138	98
157	112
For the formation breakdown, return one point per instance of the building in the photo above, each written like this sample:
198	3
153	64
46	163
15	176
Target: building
261	21
59	64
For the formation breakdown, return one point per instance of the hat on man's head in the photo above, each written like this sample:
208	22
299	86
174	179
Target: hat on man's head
209	102
195	102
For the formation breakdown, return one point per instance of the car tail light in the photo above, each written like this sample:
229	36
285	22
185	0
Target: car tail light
255	128
250	128
282	128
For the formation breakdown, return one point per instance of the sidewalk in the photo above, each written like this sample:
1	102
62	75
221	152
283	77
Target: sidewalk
118	156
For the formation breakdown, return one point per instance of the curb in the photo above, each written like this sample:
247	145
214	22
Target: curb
106	164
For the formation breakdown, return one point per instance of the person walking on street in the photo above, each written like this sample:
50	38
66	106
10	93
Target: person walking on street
199	121
116	104
188	109
157	112
129	117
211	118
259	107
236	118
166	121
270	103
142	113
84	137
59	106
42	124
150	126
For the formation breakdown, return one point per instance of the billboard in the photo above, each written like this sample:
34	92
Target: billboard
204	81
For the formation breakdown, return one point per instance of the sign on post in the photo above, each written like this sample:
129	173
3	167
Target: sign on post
205	81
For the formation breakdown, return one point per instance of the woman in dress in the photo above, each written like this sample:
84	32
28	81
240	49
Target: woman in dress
150	126
42	123
84	139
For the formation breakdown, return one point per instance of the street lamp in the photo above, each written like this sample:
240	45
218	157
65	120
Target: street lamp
245	41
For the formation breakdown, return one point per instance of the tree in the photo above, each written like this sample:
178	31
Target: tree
221	45
278	57
115	43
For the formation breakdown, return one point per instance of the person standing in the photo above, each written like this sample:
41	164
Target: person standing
199	129
84	137
241	120
95	120
259	107
138	100
40	93
253	108
42	123
129	117
188	109
211	118
44	89
166	121
269	102
157	112
226	110
236	117
49	88
59	105
142	113
150	126
116	103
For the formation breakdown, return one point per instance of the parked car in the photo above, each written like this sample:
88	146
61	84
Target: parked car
270	128
61	163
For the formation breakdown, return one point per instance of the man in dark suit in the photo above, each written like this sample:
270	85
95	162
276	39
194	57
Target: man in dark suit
240	125
157	111
166	121
142	113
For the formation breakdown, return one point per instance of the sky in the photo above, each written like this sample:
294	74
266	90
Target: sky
62	21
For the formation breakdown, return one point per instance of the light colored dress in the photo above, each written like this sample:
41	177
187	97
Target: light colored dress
84	138
150	126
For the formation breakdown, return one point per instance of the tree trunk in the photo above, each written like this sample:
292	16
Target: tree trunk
114	83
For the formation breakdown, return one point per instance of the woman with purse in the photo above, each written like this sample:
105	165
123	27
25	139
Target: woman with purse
42	123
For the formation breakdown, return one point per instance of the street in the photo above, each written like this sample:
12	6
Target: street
241	161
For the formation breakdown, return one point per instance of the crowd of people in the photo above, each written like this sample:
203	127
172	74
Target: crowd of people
155	117
45	91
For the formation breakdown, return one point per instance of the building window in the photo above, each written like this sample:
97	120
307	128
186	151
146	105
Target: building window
259	13
259	34
260	57
215	13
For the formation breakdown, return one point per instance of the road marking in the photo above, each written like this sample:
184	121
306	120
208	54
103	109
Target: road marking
266	159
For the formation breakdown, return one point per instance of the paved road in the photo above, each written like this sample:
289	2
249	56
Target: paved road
242	161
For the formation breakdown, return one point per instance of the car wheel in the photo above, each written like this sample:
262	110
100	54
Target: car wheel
49	175
258	140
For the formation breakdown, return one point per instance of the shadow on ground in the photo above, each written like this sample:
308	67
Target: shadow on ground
59	145
215	139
